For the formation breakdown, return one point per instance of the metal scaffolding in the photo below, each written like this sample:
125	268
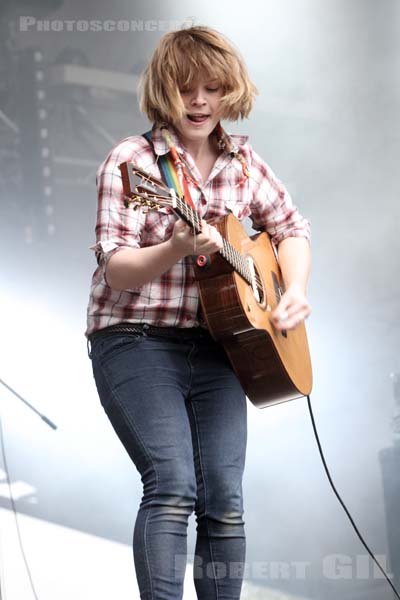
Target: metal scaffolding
58	121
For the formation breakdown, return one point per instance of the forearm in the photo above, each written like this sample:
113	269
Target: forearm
295	261
130	268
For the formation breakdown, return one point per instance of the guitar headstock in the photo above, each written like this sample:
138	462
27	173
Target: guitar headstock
141	189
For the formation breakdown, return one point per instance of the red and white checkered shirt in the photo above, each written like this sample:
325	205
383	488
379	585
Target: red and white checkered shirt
172	299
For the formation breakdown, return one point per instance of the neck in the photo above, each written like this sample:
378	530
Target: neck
199	148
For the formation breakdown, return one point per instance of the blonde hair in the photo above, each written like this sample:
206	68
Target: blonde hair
177	62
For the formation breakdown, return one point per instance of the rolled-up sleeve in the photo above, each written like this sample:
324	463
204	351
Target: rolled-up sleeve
272	208
117	227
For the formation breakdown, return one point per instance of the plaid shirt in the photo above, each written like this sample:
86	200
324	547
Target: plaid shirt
172	299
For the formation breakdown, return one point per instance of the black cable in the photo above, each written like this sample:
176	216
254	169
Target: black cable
343	504
3	450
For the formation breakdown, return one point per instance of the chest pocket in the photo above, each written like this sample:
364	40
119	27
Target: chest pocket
241	210
158	226
236	197
237	200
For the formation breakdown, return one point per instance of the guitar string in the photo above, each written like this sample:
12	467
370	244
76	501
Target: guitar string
230	251
262	285
243	268
147	177
189	212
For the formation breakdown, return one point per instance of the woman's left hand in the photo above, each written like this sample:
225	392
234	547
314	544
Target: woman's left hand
292	309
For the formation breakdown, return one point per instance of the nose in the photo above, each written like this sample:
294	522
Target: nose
197	98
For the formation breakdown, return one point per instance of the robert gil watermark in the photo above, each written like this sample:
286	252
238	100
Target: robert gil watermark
333	566
361	566
28	23
257	569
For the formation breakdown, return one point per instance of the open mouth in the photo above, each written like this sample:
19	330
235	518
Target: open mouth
197	118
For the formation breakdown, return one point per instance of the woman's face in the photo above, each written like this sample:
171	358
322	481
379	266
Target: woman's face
203	111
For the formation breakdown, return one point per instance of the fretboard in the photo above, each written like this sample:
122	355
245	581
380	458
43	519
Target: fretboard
228	252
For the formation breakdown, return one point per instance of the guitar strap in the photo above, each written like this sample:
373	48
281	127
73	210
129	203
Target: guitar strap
169	174
170	177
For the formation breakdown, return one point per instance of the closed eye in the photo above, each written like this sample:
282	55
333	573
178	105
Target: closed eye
208	89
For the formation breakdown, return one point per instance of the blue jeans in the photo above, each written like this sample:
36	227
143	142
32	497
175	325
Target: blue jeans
180	412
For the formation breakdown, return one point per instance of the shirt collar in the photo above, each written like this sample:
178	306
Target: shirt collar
237	140
161	146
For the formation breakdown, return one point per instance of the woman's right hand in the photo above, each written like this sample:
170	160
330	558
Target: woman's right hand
186	242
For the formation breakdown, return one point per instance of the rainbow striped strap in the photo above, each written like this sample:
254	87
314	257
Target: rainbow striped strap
167	168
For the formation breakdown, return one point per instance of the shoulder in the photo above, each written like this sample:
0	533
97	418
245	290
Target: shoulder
241	143
256	164
134	148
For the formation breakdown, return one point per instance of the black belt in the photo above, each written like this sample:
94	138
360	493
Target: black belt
180	333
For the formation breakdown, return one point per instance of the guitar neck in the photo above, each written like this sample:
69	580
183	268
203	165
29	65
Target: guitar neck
228	252
143	189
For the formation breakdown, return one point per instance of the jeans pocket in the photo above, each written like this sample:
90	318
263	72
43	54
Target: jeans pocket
113	345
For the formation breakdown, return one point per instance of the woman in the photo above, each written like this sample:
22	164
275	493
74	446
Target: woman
165	384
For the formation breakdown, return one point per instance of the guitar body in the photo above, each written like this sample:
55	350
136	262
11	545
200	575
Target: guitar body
272	366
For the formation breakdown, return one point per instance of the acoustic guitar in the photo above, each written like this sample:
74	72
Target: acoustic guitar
239	286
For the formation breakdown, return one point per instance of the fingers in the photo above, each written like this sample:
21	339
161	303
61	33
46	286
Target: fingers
209	240
291	321
292	310
206	242
211	234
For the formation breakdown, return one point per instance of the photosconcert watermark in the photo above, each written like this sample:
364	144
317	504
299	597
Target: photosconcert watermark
333	566
28	23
